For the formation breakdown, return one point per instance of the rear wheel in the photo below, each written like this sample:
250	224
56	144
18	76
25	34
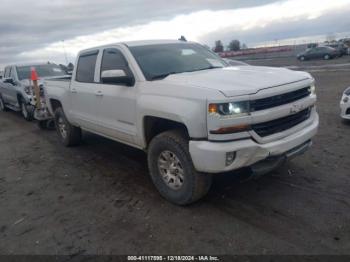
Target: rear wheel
27	111
70	135
326	57
46	124
172	170
302	58
2	104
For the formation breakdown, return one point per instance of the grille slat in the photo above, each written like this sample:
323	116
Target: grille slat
278	100
281	124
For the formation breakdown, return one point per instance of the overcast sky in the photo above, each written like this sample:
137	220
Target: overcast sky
33	30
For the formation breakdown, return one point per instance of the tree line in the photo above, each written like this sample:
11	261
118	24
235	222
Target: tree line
234	45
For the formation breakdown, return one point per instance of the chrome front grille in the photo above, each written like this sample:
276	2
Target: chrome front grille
281	124
278	100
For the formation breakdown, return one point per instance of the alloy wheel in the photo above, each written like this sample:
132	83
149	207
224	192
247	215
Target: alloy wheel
171	170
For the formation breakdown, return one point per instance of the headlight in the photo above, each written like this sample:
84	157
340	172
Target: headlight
229	109
313	89
28	90
347	91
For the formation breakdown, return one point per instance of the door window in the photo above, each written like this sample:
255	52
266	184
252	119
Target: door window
113	59
86	67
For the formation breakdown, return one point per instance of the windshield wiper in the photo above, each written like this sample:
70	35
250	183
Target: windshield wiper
210	67
162	76
205	68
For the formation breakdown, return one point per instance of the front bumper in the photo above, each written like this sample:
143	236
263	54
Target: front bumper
344	107
210	157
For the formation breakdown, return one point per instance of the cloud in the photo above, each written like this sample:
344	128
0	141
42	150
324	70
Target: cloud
27	25
197	20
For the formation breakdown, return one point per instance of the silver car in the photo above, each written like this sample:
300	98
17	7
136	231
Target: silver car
16	87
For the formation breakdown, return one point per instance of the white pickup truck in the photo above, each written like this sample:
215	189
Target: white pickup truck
188	109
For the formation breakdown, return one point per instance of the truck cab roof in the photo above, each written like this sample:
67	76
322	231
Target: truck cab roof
136	43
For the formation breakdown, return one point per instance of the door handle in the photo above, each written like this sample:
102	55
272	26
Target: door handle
98	93
73	90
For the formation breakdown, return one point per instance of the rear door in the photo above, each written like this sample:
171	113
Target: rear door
83	91
117	102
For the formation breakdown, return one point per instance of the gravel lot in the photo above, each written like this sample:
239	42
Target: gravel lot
98	198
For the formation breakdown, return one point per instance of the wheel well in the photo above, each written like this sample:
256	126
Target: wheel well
19	97
55	104
155	125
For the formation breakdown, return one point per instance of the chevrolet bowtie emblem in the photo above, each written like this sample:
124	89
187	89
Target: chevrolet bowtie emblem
295	109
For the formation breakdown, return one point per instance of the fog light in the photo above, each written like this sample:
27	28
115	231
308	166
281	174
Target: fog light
346	99
230	157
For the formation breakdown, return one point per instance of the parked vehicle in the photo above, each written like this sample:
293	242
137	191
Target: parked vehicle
340	47
193	115
16	87
321	52
345	105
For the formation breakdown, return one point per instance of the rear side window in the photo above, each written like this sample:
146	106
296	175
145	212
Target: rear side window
113	59
86	67
7	72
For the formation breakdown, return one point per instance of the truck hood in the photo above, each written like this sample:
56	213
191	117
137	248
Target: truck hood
240	80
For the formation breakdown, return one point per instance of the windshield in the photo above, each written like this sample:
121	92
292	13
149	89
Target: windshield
47	70
160	60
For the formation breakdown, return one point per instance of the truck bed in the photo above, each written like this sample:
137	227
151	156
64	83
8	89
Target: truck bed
56	88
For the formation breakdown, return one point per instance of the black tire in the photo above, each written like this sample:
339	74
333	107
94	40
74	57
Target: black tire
27	111
2	104
70	135
42	124
302	58
194	184
50	124
46	124
326	57
345	121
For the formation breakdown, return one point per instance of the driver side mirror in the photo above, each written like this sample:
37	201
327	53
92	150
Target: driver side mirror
9	80
117	76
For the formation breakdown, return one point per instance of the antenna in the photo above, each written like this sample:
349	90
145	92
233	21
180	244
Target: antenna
64	50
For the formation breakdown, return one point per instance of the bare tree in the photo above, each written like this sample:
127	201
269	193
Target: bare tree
234	45
219	47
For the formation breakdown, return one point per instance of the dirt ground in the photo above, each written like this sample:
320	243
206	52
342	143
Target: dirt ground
98	199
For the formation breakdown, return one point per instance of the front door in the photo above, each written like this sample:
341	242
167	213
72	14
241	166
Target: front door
9	92
116	107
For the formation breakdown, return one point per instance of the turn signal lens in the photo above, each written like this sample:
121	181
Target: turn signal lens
230	130
213	108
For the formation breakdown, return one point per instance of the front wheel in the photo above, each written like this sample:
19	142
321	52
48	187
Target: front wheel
2	104
70	135
172	170
27	111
